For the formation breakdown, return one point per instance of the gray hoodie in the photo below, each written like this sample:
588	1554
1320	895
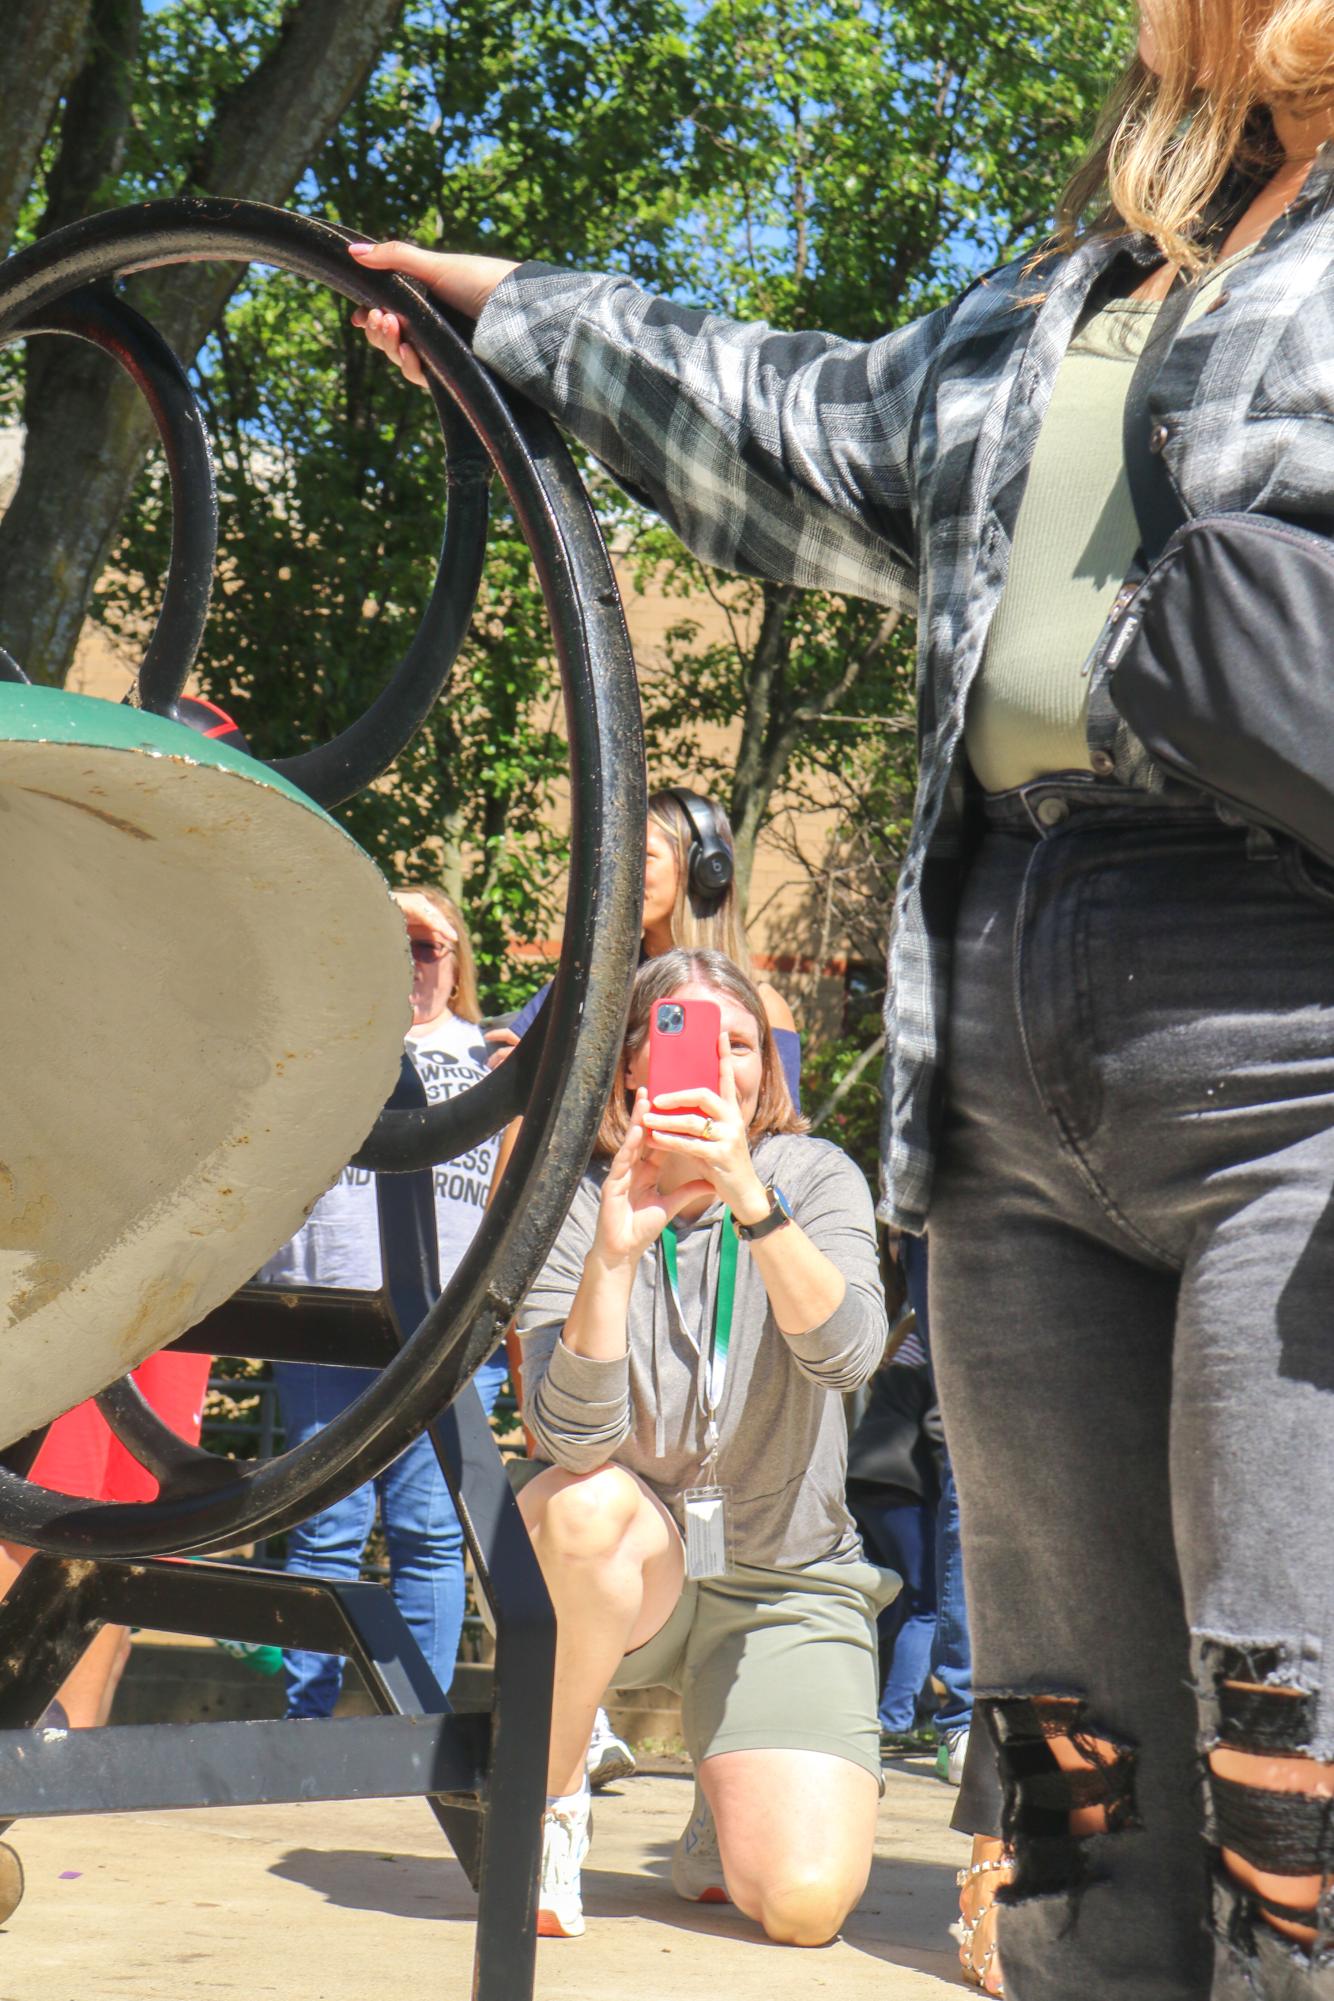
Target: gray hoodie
783	1436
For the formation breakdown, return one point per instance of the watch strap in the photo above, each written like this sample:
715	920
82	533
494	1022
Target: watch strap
780	1213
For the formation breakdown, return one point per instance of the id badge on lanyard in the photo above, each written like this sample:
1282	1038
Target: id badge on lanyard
706	1505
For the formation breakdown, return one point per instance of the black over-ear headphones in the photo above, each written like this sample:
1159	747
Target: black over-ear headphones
709	864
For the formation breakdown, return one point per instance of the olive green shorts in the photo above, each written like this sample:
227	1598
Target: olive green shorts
773	1660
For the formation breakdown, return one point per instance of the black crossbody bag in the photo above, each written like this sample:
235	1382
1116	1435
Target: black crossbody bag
1220	661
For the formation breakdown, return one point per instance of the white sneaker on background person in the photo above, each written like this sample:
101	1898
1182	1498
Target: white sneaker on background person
609	1756
567	1827
697	1863
951	1755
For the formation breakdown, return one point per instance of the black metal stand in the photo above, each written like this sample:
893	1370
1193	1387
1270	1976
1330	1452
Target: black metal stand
483	1776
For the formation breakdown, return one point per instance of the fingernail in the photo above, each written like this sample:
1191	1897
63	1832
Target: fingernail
355	249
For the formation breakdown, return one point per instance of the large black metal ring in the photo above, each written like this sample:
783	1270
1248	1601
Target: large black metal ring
332	772
562	1089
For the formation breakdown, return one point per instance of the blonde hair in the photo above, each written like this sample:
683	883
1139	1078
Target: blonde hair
1166	141
463	1000
700	923
658	980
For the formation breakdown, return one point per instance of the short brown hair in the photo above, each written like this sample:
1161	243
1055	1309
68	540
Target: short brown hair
657	980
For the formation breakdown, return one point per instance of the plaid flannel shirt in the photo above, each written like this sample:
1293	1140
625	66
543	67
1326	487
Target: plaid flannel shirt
893	470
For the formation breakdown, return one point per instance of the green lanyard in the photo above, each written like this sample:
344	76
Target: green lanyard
722	1307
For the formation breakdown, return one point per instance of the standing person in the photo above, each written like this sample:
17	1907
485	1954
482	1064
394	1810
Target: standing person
893	1490
952	1651
82	1456
339	1245
690	900
1110	1070
712	1295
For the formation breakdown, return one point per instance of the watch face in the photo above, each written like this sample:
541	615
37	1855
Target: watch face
780	1212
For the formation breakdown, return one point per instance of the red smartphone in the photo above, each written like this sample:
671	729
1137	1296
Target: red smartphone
683	1048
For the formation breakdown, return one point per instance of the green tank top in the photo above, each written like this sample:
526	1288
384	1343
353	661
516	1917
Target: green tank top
1074	541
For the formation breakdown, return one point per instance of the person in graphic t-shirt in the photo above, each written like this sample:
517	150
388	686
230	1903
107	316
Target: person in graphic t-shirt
339	1245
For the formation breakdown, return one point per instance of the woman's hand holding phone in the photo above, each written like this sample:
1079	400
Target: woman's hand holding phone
708	1129
634	1212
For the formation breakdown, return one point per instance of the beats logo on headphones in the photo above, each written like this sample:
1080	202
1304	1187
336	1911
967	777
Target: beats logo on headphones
709	865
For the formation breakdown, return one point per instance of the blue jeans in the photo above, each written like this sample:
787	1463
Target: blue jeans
901	1535
421	1531
952	1654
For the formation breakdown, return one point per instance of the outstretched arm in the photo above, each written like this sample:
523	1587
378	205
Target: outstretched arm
782	455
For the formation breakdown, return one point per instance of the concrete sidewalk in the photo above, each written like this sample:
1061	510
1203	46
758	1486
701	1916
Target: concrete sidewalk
346	1903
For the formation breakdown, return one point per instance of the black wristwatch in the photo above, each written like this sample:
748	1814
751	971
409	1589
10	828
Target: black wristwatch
780	1212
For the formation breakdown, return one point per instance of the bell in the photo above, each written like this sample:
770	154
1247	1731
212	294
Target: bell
207	994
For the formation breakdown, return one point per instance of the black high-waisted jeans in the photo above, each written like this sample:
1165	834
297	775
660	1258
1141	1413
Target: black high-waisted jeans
1132	1304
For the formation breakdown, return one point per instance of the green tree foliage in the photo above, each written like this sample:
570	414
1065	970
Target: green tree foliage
836	163
554	132
291	75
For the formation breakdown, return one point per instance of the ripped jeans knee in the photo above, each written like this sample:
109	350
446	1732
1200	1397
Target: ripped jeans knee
1064	1782
1271	1800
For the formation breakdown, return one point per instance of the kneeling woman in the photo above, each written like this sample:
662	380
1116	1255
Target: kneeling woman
712	1295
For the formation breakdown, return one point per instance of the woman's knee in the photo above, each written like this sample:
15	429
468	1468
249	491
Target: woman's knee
800	1875
803	1907
584	1516
1272	1800
1275	1827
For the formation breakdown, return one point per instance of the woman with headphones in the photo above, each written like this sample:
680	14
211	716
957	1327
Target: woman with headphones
690	900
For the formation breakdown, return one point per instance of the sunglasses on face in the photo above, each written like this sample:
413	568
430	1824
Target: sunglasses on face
429	951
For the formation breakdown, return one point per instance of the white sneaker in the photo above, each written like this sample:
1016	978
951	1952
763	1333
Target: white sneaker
609	1756
697	1864
951	1755
566	1831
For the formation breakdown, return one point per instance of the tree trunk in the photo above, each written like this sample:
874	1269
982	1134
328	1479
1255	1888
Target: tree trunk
97	114
41	45
87	433
764	674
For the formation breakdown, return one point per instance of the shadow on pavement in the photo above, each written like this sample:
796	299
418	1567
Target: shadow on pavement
901	1921
903	1918
400	1886
906	1907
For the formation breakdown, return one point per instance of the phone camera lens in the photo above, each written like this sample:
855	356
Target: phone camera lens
671	1018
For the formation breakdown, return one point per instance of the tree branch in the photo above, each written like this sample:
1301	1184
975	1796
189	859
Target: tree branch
88	433
40	49
885	629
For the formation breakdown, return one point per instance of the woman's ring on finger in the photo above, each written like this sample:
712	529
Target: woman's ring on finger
707	1130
